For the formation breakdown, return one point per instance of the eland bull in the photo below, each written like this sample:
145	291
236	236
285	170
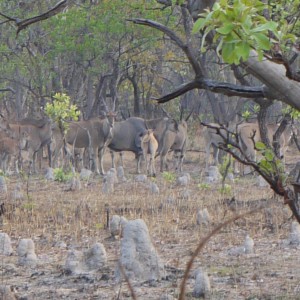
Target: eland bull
126	137
93	134
170	136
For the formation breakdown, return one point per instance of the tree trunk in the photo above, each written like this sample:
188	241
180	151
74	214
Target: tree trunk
17	113
90	97
273	75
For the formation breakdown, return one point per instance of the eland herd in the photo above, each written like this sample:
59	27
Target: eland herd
24	141
85	141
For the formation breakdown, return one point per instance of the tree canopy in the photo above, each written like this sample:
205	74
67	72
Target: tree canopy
93	51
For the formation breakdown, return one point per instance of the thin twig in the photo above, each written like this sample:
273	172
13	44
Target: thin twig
202	244
133	295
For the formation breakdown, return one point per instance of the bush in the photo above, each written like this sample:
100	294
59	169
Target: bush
168	176
61	176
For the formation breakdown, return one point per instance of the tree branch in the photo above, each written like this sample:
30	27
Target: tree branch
179	42
8	89
276	83
22	24
216	87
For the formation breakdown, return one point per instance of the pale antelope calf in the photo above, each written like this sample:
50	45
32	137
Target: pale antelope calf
149	146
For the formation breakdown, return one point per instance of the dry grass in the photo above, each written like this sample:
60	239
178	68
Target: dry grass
51	216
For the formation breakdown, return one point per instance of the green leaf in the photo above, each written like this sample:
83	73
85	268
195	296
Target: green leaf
260	145
269	155
246	25
228	52
262	41
227	28
199	24
223	3
266	166
243	50
267	26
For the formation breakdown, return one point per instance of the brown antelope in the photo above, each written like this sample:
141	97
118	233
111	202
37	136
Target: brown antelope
37	137
212	138
149	146
180	143
93	134
10	148
43	133
244	131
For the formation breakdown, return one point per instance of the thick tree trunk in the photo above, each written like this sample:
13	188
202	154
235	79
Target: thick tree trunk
17	113
273	75
90	97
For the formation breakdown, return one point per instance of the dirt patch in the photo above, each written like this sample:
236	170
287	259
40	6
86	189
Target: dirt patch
57	221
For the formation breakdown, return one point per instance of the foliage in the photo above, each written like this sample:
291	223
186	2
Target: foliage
61	110
224	169
61	176
168	176
247	114
294	113
29	206
269	164
204	186
99	226
239	26
79	44
226	189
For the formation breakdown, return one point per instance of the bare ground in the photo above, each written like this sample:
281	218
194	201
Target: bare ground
58	220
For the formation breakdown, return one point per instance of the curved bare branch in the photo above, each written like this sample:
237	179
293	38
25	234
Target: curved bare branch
22	24
216	87
175	38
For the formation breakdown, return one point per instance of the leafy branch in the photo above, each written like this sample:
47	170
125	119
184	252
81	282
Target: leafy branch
241	26
61	110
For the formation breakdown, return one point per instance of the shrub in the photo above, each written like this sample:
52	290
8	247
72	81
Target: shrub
168	176
61	176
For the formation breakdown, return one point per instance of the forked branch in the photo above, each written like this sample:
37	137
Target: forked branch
232	146
22	24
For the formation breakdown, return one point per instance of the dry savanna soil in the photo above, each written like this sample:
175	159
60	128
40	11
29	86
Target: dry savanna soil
58	219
